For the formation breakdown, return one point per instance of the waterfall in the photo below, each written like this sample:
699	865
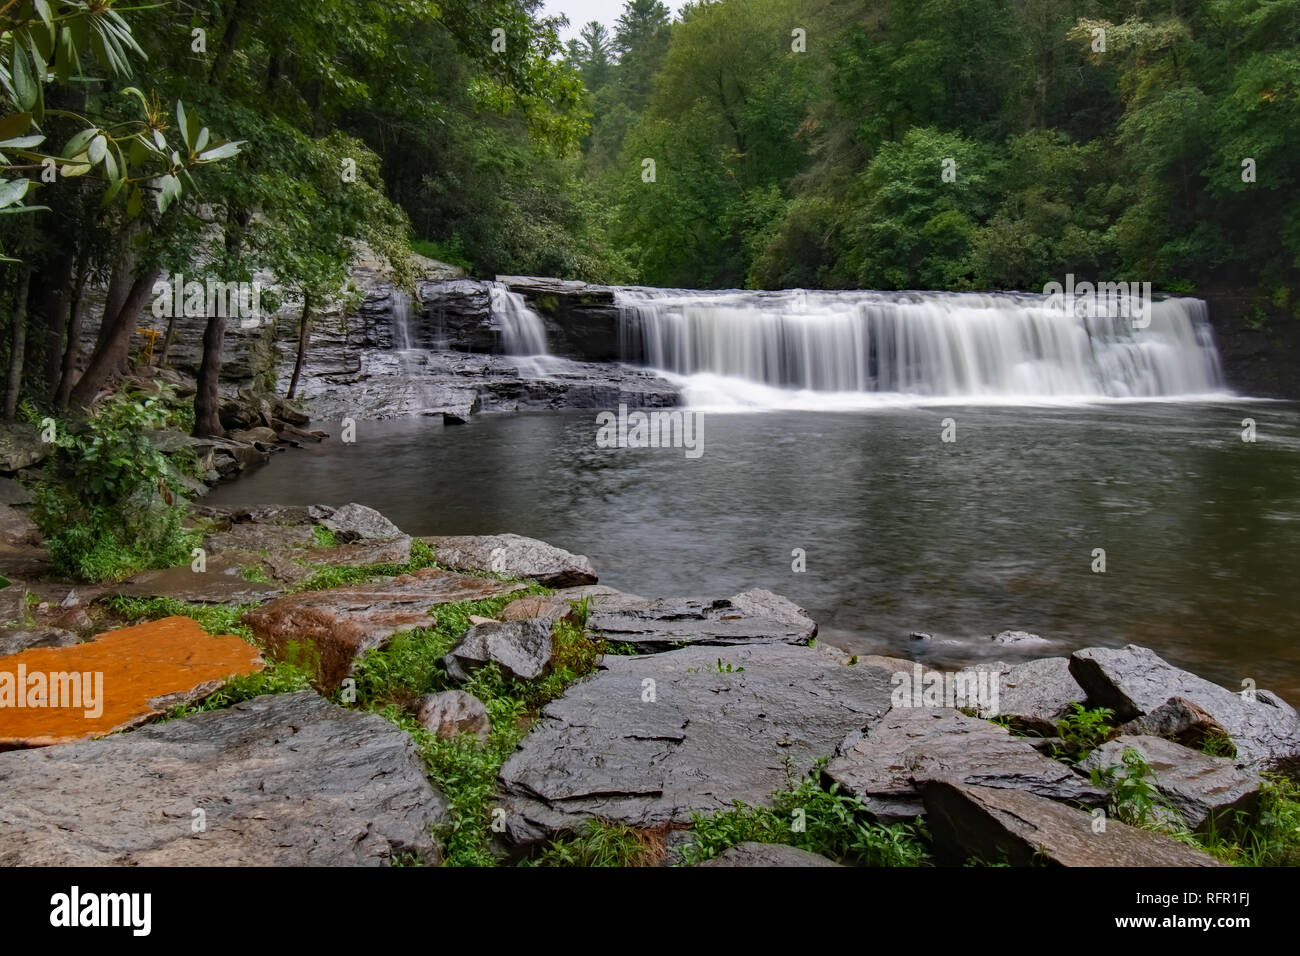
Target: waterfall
941	345
401	312
522	331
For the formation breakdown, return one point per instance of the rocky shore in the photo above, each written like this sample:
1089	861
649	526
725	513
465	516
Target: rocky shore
301	699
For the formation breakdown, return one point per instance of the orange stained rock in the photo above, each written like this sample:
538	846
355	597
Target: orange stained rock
116	681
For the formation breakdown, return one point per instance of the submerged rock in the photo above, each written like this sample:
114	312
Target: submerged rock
281	780
1135	681
647	741
1023	829
752	617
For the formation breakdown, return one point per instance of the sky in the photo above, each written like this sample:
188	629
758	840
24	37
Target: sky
582	11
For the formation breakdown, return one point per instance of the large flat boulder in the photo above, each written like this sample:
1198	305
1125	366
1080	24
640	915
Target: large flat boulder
342	624
54	695
648	741
1035	694
887	765
516	556
1201	788
281	780
752	617
1135	680
1023	829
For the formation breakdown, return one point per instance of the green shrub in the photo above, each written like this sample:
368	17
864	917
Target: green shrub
812	818
111	504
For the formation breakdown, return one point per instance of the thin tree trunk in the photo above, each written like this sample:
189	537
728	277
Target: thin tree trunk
229	40
115	340
71	353
304	337
161	360
19	345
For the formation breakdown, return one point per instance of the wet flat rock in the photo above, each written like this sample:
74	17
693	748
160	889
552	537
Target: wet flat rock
515	556
222	582
283	780
752	617
344	623
1200	787
1023	829
1135	681
887	765
117	681
649	740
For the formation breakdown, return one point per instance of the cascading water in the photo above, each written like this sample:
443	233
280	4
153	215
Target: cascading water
522	331
741	346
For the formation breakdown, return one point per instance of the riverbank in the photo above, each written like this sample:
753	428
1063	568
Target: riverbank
524	713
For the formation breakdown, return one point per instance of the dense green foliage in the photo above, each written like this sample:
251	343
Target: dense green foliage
811	818
776	167
111	503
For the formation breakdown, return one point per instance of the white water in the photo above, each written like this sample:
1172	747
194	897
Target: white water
847	349
522	331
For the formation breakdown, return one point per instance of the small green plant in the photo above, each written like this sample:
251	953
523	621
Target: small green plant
1083	731
812	818
324	536
1218	744
602	843
1134	798
255	573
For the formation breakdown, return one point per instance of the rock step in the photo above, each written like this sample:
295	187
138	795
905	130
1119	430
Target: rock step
280	780
1023	829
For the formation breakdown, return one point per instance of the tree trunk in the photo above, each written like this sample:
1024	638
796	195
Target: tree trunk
119	287
229	40
70	354
207	401
19	345
304	336
115	340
